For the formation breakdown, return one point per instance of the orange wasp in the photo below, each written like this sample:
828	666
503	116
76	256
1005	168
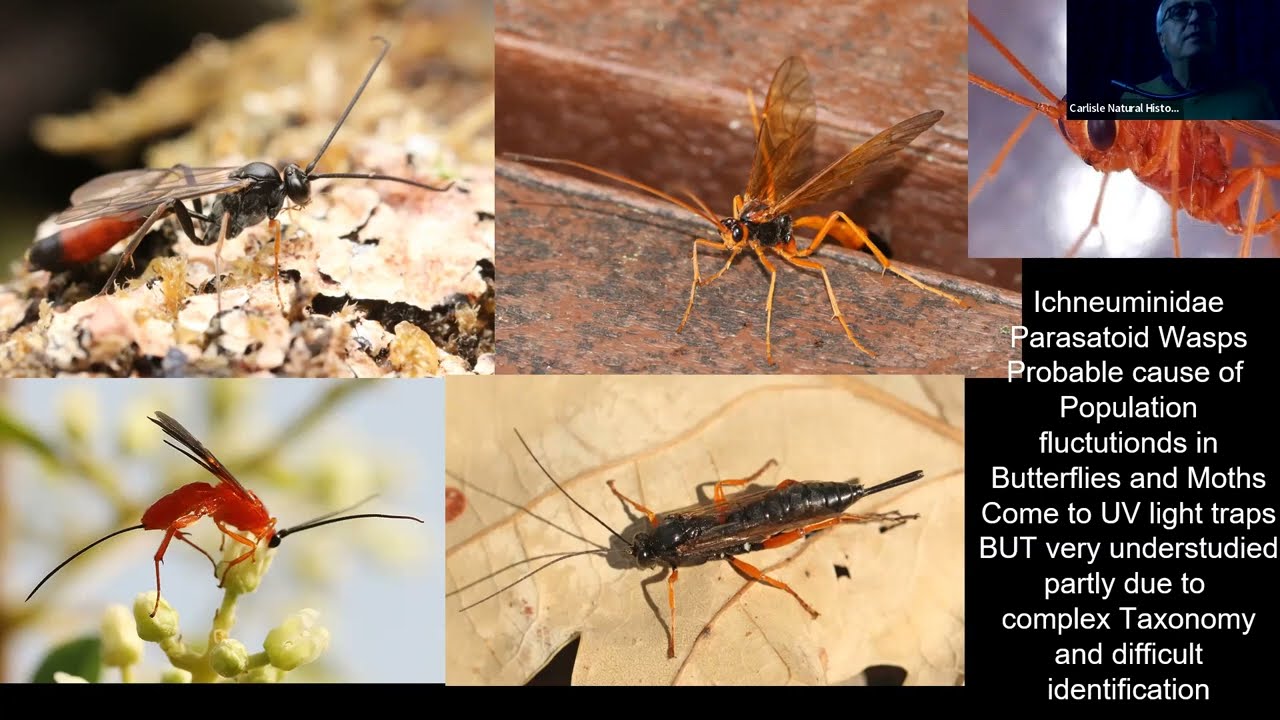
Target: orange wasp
1195	157
779	184
229	504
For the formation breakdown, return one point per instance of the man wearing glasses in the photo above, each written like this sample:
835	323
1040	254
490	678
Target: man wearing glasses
1188	34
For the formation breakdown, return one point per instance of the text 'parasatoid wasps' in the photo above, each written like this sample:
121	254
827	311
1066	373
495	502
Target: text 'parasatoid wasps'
730	526
128	203
228	503
763	220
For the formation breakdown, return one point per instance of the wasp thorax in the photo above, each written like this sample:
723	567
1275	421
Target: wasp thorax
296	184
259	171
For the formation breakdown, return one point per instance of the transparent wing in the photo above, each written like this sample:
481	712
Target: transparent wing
200	453
858	167
127	190
784	144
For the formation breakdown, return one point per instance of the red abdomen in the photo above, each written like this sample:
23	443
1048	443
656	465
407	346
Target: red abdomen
84	242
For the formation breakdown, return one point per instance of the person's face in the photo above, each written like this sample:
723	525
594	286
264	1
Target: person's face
1189	28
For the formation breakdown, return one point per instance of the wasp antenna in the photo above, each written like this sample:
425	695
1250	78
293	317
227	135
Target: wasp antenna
527	511
531	574
561	555
81	552
386	46
700	210
896	482
280	535
566	494
376	176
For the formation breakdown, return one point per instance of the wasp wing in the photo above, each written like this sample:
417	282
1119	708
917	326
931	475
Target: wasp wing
199	453
856	168
784	140
728	536
127	190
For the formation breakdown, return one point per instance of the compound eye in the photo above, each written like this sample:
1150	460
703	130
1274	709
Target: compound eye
736	231
1102	134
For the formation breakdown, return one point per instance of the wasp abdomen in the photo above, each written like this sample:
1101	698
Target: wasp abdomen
797	503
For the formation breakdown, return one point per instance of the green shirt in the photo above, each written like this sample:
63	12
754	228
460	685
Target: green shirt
1239	100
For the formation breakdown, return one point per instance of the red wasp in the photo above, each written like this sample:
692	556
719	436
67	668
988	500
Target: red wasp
730	526
129	202
228	503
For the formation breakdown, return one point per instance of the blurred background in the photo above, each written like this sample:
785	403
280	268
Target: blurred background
79	459
68	57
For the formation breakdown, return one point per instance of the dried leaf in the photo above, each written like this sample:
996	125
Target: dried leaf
665	441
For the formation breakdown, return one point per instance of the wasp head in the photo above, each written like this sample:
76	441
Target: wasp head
643	551
731	231
296	184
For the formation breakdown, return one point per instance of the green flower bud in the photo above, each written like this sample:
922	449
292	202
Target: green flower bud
121	646
229	658
244	577
175	675
154	629
298	641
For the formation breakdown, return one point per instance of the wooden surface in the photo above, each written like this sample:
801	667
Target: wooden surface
656	90
595	280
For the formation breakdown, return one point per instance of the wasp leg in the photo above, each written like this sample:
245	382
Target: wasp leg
768	307
160	211
653	519
831	295
251	553
175	529
719	490
755	574
671	600
217	260
275	225
183	537
891	519
1241	179
859	238
697	277
1093	222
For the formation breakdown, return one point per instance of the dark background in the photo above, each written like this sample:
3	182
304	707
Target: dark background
1005	420
1117	40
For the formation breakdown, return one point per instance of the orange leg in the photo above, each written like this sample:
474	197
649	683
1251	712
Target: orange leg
275	227
1093	222
251	553
183	537
823	225
755	574
175	529
671	600
697	276
831	294
653	519
891	519
1258	176
217	259
719	491
768	307
1004	152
